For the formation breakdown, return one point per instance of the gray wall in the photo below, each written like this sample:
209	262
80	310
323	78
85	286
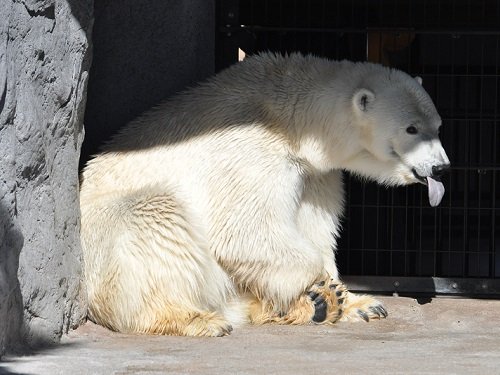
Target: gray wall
44	63
144	51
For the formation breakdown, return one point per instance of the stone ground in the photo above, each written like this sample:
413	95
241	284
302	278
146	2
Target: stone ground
424	336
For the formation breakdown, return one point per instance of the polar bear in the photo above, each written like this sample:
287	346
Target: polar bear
223	205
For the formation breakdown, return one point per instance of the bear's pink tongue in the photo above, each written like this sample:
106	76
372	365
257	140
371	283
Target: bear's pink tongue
436	191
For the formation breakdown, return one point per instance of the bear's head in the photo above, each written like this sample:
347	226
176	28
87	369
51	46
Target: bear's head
399	131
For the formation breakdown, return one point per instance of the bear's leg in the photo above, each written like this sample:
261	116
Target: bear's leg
148	269
280	276
319	213
319	220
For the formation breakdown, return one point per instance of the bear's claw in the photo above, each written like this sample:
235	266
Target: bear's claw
379	310
363	315
362	307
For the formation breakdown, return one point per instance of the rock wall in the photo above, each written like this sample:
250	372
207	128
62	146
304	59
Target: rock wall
44	64
144	52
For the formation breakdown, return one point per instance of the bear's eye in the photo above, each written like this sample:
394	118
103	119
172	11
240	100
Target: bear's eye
411	130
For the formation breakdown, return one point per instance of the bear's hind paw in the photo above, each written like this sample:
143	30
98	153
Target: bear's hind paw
208	325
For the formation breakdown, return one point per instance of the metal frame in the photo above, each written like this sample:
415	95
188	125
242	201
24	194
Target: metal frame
424	285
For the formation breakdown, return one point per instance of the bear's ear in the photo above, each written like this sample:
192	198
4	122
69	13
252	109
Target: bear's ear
418	79
363	99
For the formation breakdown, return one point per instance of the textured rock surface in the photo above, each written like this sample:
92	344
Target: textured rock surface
144	51
44	63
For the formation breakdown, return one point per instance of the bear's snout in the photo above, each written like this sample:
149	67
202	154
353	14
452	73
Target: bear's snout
439	170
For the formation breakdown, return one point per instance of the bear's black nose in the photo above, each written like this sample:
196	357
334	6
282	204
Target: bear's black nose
439	170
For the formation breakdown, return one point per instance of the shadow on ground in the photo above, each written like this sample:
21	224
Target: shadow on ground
9	362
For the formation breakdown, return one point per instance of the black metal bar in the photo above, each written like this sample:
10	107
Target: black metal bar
437	260
453	78
466	243
345	30
494	272
368	205
426	285
479	260
226	44
470	119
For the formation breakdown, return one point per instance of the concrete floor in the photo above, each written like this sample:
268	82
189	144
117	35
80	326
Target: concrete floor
438	336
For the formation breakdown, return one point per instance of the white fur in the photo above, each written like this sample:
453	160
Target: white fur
235	187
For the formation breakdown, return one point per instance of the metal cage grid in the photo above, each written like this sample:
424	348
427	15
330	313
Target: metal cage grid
455	47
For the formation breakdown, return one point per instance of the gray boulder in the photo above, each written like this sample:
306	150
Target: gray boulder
44	64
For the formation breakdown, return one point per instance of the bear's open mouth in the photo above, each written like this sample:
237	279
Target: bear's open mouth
421	179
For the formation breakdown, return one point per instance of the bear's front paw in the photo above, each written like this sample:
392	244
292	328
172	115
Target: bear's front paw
322	303
357	308
328	299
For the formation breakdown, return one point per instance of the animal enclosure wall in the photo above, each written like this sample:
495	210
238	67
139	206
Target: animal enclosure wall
455	47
